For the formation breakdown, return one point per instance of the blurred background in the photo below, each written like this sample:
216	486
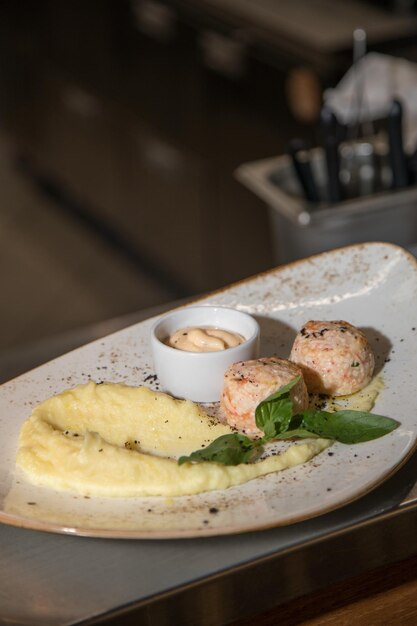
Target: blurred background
122	124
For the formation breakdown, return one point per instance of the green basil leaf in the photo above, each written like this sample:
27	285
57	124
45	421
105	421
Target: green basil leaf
274	414
347	426
298	433
228	449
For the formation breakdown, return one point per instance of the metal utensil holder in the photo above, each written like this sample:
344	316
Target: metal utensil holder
300	228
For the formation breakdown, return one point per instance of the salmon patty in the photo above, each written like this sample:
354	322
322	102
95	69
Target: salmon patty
247	383
335	357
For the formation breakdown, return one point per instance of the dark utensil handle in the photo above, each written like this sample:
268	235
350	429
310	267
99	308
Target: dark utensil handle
412	167
331	139
397	156
298	150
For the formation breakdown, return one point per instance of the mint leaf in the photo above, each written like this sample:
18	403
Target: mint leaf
274	414
228	449
347	426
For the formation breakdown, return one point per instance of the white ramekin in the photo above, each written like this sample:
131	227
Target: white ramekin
198	376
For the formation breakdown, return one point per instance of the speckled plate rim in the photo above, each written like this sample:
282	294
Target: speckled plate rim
100	533
47	526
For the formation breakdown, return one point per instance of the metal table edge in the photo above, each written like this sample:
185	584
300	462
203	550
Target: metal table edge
249	588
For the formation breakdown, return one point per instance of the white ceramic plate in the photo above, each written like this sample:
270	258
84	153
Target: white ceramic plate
373	286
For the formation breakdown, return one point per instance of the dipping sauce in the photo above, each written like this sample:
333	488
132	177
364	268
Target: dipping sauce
204	339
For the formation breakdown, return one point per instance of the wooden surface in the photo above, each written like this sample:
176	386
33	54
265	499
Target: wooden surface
386	596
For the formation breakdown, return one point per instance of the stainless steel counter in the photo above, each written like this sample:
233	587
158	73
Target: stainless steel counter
52	579
62	580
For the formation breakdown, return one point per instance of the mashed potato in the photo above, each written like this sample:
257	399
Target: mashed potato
117	441
132	417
